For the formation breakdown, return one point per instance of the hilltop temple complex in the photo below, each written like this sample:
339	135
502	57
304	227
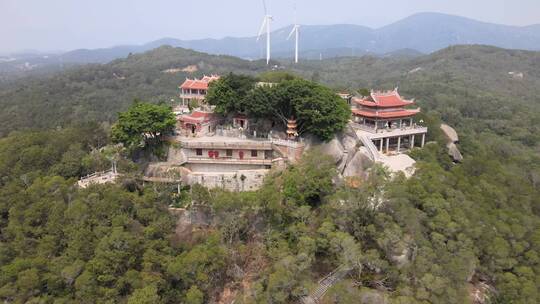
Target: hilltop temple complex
236	152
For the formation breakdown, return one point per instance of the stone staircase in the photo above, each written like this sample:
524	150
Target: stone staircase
373	152
326	283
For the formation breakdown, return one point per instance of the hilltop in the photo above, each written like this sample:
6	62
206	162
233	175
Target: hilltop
470	76
465	232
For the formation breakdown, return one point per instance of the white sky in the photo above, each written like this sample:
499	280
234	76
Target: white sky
70	24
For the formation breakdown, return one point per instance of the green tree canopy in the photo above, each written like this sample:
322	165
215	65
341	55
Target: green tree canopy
228	93
276	76
143	123
317	109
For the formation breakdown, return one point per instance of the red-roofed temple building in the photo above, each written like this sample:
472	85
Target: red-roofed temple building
198	123
387	119
195	88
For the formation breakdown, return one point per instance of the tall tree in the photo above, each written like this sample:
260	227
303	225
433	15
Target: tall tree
229	92
317	109
143	123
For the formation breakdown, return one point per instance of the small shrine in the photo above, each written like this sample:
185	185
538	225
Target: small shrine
292	132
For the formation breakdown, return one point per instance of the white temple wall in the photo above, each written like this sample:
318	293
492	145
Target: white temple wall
223	168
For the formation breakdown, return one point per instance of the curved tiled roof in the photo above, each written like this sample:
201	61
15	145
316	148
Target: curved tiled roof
387	99
386	114
197	117
198	84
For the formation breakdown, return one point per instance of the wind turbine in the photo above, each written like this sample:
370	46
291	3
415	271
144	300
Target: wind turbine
266	24
295	31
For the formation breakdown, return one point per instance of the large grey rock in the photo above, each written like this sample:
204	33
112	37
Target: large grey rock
450	133
349	143
349	131
358	164
452	138
401	258
454	152
176	156
310	142
334	149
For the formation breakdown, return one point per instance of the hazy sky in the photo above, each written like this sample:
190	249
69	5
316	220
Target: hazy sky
70	24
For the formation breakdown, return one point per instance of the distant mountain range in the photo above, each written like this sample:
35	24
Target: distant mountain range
412	36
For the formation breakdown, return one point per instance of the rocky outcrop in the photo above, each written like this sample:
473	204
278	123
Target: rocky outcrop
450	133
334	149
349	143
358	164
351	159
452	138
454	152
176	156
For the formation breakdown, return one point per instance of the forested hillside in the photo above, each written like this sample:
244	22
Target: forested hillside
449	233
98	92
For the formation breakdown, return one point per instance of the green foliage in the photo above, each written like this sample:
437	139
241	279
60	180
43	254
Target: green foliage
203	265
275	76
143	123
28	155
146	295
311	180
228	93
97	92
192	104
194	296
363	92
318	110
431	238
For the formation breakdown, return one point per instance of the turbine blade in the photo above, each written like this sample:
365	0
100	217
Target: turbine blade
292	32
263	25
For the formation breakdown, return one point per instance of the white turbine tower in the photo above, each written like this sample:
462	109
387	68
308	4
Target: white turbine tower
295	31
266	24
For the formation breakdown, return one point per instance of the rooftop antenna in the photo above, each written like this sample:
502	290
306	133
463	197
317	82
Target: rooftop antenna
295	31
266	25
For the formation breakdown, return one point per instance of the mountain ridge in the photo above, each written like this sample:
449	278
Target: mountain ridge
424	19
422	32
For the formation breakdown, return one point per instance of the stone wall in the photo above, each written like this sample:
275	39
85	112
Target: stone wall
243	180
292	154
261	154
219	168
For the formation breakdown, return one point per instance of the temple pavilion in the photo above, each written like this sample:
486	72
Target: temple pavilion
195	88
387	119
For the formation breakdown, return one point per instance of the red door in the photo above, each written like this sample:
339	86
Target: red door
241	154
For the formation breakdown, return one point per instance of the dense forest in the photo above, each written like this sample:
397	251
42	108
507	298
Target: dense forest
449	232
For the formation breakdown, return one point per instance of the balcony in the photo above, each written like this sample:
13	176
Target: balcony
224	145
399	132
192	96
229	161
404	130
